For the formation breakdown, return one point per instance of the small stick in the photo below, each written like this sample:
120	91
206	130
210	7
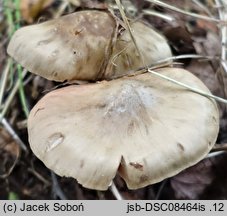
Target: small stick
38	176
4	81
203	7
223	16
14	135
219	147
160	15
215	154
62	8
115	192
157	197
56	189
160	3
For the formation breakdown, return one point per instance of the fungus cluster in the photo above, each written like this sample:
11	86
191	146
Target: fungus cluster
141	127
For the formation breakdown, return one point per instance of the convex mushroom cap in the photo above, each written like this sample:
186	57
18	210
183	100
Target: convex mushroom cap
85	46
143	127
125	57
71	47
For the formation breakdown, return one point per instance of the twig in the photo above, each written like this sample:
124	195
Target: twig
11	96
223	31
160	15
14	135
4	81
157	197
38	176
203	7
62	8
220	147
215	154
56	190
115	192
130	8
162	4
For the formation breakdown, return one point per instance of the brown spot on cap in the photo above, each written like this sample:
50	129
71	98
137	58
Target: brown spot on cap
136	166
180	146
143	178
81	163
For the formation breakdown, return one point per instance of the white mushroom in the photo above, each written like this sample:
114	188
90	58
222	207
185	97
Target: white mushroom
71	47
143	127
125	57
82	46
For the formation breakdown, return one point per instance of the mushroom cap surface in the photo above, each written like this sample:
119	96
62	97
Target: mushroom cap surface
82	46
125	58
71	47
145	128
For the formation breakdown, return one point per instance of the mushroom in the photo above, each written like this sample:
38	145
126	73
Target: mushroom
71	47
142	127
82	46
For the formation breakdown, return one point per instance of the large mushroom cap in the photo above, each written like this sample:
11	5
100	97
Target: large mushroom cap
81	46
71	47
144	127
125	58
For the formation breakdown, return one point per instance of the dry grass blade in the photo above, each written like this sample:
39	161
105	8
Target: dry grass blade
186	56
223	16
39	176
203	7
4	81
160	15
162	4
115	192
56	189
62	8
220	147
215	154
14	135
11	96
129	29
198	91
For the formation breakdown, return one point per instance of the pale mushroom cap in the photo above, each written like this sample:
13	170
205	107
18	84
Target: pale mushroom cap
125	58
74	46
143	127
